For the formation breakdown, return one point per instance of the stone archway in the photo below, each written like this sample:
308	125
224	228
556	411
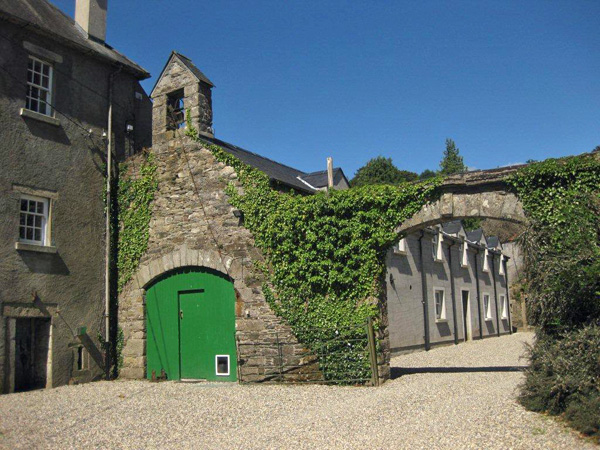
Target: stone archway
480	194
132	299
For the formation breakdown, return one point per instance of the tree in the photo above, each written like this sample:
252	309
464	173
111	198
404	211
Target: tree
381	170
452	162
427	174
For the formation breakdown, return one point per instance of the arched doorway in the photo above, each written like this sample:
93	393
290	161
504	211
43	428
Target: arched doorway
190	326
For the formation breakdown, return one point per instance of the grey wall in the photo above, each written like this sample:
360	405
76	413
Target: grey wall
405	294
67	286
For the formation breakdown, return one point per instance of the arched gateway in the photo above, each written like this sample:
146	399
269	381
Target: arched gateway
190	326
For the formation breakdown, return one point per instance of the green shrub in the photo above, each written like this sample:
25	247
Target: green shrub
564	377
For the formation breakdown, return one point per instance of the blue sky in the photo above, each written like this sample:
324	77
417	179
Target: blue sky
298	81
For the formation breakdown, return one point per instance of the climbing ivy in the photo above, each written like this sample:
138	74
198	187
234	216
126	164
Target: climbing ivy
325	252
136	190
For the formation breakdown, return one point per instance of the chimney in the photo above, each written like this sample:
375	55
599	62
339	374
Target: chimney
91	16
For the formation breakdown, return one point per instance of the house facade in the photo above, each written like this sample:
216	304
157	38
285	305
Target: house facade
446	286
57	76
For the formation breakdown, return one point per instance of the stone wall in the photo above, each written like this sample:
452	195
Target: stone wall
200	229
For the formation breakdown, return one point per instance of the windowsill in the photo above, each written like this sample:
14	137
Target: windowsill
505	318
399	252
464	266
441	320
22	246
489	319
41	117
438	260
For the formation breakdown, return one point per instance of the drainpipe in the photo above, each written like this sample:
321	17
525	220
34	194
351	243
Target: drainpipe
111	79
424	289
478	292
510	330
495	294
453	292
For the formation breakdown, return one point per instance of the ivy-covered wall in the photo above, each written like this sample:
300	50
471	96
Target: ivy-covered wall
325	253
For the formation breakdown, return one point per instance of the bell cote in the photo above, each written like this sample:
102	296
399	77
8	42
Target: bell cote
181	87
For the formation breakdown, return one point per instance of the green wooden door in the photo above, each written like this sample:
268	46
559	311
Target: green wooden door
190	318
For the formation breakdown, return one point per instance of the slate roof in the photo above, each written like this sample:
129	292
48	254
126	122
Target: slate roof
45	18
452	227
493	241
475	235
319	179
190	65
276	171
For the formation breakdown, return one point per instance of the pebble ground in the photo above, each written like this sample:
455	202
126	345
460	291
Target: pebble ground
451	397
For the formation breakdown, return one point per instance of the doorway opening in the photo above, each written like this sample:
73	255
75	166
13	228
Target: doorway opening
32	343
466	307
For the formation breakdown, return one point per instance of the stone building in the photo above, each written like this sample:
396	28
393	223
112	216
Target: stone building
199	253
446	286
56	75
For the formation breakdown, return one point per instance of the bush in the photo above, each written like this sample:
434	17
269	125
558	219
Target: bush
564	377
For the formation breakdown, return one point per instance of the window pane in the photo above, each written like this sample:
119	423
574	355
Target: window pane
38	221
40	207
31	206
37	66
29	221
29	76
46	70
30	64
23	204
22	219
38	235
45	81
36	79
22	233
30	234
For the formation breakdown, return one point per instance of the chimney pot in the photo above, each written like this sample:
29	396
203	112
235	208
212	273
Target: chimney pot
90	15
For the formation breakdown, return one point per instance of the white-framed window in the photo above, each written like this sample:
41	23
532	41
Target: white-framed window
464	256
401	246
504	304
436	246
439	295
487	307
33	220
222	365
486	260
39	86
501	265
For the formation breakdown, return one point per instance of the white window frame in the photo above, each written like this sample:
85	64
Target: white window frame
486	260
501	265
400	247
464	257
47	110
487	309
45	221
441	317
504	304
217	365
436	246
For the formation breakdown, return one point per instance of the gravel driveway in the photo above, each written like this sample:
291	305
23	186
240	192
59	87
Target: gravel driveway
454	397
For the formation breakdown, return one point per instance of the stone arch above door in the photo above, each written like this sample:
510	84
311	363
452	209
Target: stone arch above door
184	257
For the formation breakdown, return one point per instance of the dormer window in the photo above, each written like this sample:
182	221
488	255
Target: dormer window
401	246
464	257
436	246
175	110
486	260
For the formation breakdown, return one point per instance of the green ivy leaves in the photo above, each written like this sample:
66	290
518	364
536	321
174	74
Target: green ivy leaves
136	191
